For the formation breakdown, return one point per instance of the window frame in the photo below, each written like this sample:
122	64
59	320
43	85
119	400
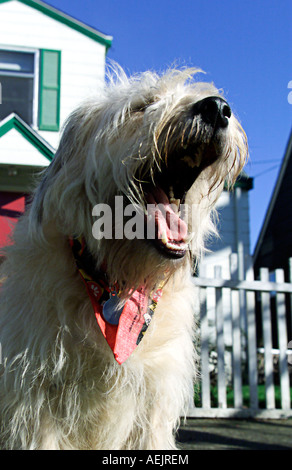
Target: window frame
36	52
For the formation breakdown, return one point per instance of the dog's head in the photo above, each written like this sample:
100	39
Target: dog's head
157	141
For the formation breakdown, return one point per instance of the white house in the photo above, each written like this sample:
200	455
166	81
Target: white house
49	62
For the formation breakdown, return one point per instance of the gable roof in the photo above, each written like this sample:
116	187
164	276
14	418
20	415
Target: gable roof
67	20
13	121
276	191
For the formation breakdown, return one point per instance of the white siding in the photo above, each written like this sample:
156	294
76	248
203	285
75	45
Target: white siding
83	59
16	150
233	228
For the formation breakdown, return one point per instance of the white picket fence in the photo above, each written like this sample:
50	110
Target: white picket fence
244	352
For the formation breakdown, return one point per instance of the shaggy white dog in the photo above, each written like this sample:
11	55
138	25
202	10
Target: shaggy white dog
76	301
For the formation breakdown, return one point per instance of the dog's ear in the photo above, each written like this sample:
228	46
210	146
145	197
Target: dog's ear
60	194
55	179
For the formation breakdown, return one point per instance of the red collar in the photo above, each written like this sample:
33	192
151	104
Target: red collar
123	325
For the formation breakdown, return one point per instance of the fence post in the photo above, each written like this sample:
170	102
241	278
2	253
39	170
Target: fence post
267	336
251	340
283	341
220	342
236	336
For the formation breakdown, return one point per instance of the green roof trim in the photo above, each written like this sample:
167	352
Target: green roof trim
62	17
13	121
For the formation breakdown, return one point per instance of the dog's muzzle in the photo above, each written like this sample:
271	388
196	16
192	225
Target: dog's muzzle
200	144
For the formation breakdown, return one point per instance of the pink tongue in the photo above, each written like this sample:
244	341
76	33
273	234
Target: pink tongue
165	218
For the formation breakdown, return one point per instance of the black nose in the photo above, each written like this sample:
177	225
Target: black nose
214	111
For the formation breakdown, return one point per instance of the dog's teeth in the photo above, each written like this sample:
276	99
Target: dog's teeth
173	246
189	238
175	203
174	207
164	238
172	200
171	193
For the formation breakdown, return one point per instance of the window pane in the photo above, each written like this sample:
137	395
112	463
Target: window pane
49	112
16	62
17	97
50	69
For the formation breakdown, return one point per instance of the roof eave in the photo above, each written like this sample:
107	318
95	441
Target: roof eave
274	196
13	121
73	23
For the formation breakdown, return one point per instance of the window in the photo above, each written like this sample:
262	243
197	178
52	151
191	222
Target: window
30	85
17	83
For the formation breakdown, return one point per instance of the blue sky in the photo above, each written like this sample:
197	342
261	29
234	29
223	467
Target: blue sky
245	48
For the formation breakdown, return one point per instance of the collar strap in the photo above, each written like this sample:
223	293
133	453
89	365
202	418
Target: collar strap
123	324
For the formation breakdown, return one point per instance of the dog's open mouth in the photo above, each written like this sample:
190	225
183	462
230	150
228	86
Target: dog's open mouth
165	197
170	229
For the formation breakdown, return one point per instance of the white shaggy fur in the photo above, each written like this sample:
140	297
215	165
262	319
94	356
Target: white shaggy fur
61	387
